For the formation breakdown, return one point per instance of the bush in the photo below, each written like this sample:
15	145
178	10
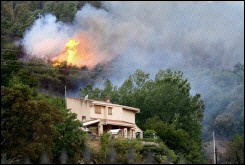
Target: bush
149	133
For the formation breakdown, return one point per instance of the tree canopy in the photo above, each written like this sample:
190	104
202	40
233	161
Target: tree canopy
32	123
166	105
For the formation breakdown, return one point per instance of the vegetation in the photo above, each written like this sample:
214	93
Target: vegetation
17	16
116	150
34	120
32	124
235	150
225	103
150	134
48	79
166	107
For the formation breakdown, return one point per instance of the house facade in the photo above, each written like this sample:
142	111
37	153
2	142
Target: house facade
103	116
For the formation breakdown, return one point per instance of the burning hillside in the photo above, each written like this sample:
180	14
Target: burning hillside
140	35
76	52
69	55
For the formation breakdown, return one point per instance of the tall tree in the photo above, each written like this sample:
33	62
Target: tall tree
167	98
32	124
27	125
235	150
63	10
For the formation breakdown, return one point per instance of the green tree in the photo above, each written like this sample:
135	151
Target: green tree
64	11
71	138
167	98
149	133
105	146
161	153
17	17
9	66
24	77
108	89
126	92
128	151
87	90
224	102
235	150
33	123
27	125
175	138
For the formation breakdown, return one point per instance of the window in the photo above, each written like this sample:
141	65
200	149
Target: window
109	110
97	109
83	118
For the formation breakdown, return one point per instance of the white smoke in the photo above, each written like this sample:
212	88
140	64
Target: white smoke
166	34
46	38
186	36
208	34
178	35
148	35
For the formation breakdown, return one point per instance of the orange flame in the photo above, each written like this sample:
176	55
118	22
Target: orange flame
69	55
71	50
80	51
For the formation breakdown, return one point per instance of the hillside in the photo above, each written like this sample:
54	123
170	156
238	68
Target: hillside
189	80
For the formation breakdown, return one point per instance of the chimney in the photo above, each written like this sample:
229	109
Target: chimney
107	99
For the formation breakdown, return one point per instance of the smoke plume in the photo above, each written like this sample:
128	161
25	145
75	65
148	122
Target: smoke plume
193	37
146	35
46	38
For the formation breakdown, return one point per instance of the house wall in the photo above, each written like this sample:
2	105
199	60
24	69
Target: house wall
140	131
128	116
86	108
117	114
95	115
80	107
